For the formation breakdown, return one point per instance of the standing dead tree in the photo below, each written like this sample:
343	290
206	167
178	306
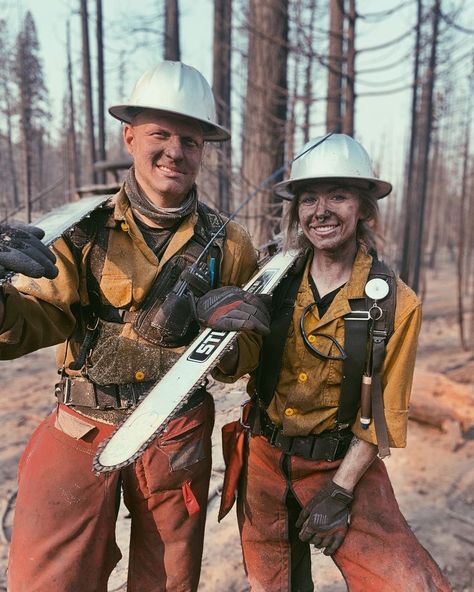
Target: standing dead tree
265	112
349	103
409	193
463	240
418	244
72	157
221	86
101	153
87	89
172	46
335	60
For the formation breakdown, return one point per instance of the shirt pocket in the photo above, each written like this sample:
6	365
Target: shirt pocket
116	290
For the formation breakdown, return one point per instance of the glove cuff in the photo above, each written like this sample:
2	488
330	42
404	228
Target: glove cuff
340	494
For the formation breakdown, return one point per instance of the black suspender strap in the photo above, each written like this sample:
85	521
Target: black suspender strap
378	355
271	354
355	345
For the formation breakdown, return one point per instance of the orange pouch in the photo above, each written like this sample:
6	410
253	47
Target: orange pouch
233	446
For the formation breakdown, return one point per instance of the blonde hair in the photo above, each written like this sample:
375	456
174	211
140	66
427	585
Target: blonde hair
367	226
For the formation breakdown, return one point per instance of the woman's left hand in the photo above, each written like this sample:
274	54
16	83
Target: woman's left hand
325	519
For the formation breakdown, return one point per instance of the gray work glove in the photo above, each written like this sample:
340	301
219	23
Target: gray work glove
22	251
325	519
232	309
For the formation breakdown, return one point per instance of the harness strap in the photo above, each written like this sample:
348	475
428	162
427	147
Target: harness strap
378	355
355	346
94	230
272	348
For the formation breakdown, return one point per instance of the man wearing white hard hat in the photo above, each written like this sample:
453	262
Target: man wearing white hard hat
329	393
111	302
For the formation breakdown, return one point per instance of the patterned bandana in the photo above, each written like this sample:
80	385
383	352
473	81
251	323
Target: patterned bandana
164	217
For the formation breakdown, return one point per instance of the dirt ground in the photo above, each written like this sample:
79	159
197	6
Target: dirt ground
433	478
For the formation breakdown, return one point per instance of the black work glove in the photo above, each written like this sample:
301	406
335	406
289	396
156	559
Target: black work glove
325	519
232	309
22	251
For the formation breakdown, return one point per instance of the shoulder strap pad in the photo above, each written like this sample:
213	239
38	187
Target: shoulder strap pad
86	230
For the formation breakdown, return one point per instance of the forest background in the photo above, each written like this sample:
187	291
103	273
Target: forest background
396	74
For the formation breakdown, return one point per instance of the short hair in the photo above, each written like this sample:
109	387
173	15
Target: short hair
367	227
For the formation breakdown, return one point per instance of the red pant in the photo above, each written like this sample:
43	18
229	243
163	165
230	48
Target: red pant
64	526
379	554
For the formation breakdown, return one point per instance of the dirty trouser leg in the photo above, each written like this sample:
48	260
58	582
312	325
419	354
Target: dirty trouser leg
64	523
166	492
380	553
263	521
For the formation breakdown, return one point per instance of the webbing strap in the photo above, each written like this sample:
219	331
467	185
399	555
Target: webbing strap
355	346
378	355
271	354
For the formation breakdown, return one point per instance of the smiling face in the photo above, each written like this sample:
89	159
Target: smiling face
328	215
167	153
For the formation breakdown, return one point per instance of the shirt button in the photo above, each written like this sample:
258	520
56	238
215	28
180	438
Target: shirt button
124	226
139	375
311	338
303	377
289	411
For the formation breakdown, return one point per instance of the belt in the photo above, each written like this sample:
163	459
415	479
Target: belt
81	392
329	445
84	393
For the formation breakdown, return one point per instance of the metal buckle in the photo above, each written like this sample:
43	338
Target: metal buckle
66	391
273	436
379	335
335	442
127	397
358	315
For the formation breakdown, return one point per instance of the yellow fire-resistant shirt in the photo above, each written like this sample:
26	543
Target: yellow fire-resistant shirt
40	312
308	389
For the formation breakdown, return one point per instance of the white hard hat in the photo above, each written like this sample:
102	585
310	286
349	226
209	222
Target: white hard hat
333	157
177	89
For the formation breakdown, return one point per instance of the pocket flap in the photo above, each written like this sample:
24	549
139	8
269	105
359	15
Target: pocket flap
71	425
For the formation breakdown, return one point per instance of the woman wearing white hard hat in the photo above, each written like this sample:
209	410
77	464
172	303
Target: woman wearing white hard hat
330	392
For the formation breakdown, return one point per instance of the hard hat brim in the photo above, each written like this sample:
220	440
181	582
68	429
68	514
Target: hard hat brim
376	187
211	131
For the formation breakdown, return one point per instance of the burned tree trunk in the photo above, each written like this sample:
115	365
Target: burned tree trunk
409	193
100	90
87	86
334	90
418	249
172	46
265	112
349	104
221	86
72	155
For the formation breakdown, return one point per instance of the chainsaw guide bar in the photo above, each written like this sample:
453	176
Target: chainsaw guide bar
171	393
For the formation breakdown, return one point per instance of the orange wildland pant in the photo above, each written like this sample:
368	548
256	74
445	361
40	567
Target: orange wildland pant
64	524
379	554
